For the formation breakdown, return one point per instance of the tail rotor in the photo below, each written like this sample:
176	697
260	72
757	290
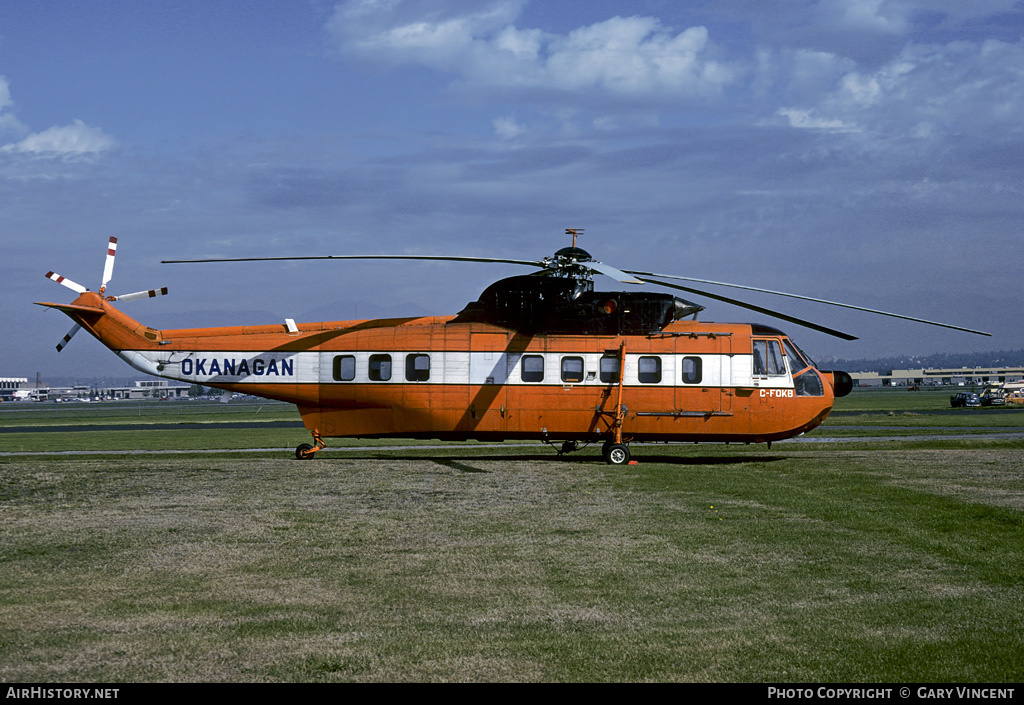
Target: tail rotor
108	272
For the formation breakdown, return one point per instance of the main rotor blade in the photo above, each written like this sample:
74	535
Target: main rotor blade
612	272
752	307
64	281
528	263
811	298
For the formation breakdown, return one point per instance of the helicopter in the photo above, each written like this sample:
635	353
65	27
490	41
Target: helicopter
540	356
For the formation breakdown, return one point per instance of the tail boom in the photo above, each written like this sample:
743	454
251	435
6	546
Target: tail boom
108	325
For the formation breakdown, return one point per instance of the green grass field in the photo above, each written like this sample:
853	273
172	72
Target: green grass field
814	561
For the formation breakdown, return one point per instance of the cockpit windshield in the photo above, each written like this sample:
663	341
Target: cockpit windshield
798	359
806	380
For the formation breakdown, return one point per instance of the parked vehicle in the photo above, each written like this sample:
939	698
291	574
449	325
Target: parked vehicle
965	399
995	399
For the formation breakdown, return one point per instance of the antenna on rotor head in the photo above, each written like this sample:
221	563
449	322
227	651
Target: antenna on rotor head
574	232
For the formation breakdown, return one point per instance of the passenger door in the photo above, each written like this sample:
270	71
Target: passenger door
488	374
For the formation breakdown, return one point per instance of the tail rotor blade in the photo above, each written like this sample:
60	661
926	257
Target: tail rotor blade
67	338
108	265
150	293
77	288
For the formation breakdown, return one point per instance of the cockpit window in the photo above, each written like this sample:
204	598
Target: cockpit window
796	361
768	359
807	358
808	384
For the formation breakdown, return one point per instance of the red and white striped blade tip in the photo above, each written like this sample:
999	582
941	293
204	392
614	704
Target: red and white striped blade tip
78	288
108	265
148	294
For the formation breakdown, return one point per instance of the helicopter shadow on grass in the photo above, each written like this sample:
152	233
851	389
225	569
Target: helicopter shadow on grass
462	463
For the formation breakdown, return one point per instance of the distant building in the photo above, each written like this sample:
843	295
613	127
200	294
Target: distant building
147	389
10	385
935	377
18	389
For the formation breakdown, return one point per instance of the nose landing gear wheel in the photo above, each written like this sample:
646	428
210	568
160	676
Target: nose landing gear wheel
615	453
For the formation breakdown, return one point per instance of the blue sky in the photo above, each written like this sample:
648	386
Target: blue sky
866	151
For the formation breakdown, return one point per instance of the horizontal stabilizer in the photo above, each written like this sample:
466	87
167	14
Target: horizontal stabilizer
71	308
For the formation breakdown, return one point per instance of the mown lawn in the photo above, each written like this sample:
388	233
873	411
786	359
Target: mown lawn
871	564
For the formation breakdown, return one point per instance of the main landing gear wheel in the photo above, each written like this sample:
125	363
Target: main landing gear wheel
615	453
306	451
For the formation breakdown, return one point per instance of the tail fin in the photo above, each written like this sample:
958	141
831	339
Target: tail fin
110	326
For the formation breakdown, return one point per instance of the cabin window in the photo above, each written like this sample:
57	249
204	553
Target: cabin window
533	368
417	367
572	369
692	370
808	384
649	370
609	369
380	368
344	368
768	359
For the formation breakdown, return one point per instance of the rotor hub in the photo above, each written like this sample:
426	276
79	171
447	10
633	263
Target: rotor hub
577	254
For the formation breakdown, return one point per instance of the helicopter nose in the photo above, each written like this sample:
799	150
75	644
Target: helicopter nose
842	382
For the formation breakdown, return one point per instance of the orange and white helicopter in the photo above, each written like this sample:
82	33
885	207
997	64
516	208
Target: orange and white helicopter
541	356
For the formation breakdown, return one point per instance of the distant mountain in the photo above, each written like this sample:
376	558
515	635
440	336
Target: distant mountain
1002	358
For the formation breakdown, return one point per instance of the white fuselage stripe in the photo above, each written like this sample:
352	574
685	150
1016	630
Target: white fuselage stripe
453	367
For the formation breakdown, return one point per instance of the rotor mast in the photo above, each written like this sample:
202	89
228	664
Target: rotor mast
568	262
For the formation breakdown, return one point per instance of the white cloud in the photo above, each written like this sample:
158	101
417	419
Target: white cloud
623	56
808	120
927	91
923	92
882	16
633	55
9	124
74	140
419	31
5	94
523	44
507	128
